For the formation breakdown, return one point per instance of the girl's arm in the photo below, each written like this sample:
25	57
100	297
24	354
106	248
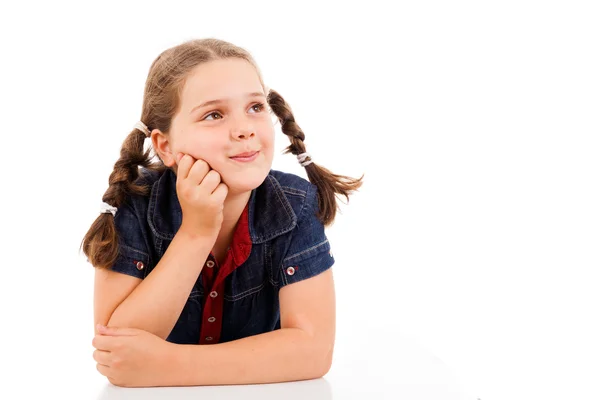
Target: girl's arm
156	303
301	349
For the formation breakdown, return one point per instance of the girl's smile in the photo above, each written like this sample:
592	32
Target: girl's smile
246	157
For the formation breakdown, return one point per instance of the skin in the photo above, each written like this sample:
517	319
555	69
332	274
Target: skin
216	132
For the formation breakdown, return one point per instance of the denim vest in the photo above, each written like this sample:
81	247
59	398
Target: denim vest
278	240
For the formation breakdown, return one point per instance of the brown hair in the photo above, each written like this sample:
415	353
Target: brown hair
161	102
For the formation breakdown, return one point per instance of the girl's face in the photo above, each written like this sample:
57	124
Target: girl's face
235	120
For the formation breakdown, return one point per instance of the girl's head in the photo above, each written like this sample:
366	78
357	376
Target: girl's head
180	82
217	109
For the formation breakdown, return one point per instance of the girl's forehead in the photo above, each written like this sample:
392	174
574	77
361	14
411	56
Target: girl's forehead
222	89
222	74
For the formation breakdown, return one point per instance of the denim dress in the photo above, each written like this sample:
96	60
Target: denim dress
277	241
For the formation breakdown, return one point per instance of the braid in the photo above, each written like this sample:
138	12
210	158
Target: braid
100	243
288	123
328	184
125	172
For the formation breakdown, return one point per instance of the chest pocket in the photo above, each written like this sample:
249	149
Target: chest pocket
246	280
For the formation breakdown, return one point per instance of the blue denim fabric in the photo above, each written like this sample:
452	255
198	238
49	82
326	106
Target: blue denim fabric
284	231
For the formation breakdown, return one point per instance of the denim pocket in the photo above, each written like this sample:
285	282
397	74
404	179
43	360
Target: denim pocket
246	280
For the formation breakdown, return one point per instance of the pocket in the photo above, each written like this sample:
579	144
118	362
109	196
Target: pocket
246	280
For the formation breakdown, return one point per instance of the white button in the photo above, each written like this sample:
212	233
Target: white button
210	263
209	338
139	265
291	270
211	319
213	294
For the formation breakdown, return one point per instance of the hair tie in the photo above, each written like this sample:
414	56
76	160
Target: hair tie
142	127
302	157
106	208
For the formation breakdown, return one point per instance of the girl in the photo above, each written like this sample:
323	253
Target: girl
209	245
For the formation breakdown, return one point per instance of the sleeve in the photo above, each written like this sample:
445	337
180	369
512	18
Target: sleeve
309	252
133	257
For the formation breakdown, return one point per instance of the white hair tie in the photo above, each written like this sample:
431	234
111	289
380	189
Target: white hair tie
302	157
106	208
142	127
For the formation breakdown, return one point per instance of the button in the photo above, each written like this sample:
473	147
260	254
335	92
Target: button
211	319
291	270
213	294
208	338
210	263
139	265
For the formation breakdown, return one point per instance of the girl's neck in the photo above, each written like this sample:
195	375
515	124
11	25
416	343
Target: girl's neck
233	207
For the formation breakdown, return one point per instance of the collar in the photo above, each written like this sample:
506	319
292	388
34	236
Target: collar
270	214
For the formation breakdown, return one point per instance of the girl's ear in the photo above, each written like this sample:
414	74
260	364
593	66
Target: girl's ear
162	146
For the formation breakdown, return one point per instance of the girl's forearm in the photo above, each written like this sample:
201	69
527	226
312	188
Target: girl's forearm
156	303
283	355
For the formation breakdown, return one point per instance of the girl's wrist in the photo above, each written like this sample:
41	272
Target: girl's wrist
197	236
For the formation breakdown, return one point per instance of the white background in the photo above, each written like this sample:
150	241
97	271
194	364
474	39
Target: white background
476	124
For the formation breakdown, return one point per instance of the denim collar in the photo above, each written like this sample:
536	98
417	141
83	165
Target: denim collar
270	214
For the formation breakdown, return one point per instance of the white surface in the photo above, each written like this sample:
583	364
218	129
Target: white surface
476	124
389	366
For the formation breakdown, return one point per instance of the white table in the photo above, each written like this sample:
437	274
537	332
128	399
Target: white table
385	367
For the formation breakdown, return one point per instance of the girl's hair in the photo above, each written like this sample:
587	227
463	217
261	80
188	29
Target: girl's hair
165	81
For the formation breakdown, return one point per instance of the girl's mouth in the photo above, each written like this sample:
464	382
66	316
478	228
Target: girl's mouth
247	158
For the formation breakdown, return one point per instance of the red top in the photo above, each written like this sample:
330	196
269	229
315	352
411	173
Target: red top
213	280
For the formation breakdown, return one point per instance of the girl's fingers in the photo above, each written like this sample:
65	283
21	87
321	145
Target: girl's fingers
198	172
210	181
183	167
220	192
102	357
104	370
102	342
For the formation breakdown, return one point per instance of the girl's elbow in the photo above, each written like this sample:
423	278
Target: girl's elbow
326	360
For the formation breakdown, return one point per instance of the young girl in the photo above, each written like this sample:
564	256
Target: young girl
209	245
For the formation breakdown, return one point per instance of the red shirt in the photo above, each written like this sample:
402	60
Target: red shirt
213	279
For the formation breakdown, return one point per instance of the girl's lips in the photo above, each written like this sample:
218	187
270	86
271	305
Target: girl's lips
246	159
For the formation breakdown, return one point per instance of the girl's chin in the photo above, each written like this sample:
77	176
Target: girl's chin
240	186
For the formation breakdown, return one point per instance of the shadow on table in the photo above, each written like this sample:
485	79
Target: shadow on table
300	390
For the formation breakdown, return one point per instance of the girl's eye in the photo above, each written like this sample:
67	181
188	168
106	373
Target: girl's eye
259	105
212	113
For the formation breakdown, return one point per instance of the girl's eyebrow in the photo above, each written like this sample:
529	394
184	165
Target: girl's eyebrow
218	101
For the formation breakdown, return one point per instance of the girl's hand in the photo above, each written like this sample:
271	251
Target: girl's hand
134	358
201	195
